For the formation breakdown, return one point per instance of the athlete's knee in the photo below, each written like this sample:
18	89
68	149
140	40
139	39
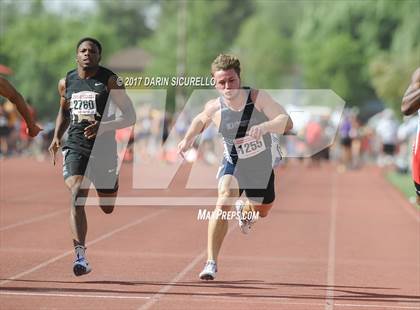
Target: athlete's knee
75	193
77	209
78	196
225	201
225	192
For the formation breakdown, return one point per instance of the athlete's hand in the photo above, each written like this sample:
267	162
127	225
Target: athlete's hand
33	130
184	146
54	146
257	131
91	131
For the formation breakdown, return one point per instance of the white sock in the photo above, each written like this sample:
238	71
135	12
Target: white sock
80	251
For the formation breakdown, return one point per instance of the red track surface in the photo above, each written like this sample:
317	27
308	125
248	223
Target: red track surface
332	241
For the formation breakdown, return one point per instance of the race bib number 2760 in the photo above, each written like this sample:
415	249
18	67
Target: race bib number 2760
83	103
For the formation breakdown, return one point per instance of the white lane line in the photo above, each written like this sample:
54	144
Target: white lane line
156	297
179	276
6	293
213	298
276	300
376	306
175	201
33	220
56	258
285	301
329	300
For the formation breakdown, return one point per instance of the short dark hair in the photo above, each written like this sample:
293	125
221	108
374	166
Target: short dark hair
94	41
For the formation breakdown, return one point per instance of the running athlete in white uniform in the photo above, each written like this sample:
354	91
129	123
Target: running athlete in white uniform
245	118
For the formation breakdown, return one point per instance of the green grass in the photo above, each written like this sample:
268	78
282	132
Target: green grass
404	183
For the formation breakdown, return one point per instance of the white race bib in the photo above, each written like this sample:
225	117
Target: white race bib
248	146
83	103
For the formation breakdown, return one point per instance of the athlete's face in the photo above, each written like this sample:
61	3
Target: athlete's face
228	83
88	55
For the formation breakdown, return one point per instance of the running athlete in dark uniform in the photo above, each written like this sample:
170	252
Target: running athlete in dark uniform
410	105
89	153
245	119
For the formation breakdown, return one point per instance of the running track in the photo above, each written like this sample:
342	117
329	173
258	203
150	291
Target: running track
332	241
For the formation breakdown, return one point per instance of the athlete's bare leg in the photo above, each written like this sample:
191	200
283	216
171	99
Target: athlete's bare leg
217	229
78	222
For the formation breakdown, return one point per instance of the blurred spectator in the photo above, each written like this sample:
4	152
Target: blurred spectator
314	140
125	139
346	140
14	125
386	131
143	132
406	137
4	130
207	147
356	134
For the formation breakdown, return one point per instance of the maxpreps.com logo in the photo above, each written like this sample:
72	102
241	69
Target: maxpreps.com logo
159	181
206	215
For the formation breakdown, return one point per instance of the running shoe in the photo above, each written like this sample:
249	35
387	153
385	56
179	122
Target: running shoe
81	266
209	271
244	224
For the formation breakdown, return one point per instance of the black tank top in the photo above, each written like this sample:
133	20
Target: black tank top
233	128
88	102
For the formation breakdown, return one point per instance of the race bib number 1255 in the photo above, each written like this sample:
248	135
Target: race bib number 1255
247	146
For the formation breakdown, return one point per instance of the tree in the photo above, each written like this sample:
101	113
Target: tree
266	45
127	17
391	70
360	49
40	48
330	49
211	27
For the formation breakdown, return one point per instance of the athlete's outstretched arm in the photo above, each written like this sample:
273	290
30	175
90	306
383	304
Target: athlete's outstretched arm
198	124
411	100
278	120
62	121
7	90
120	98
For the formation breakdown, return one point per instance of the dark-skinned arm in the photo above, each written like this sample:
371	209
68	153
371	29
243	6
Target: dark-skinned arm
411	100
62	121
